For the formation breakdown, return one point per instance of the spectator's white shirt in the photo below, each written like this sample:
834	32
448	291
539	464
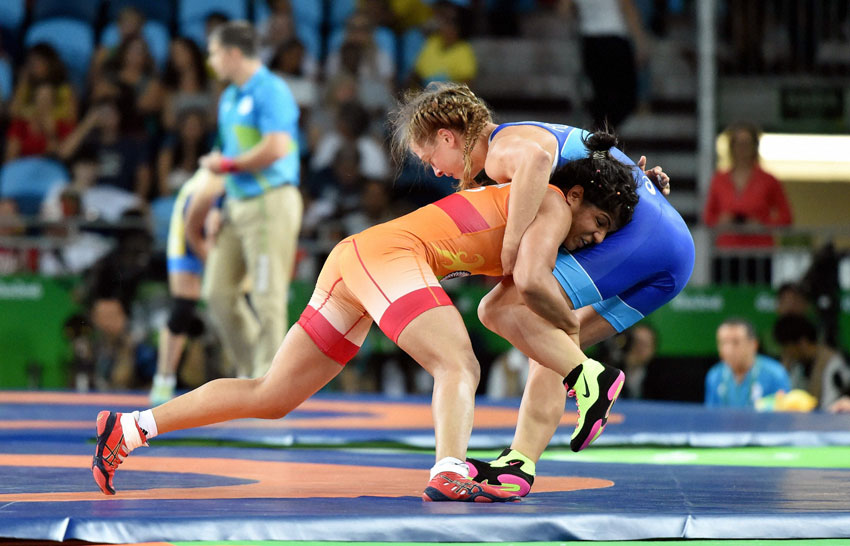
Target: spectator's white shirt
105	202
374	162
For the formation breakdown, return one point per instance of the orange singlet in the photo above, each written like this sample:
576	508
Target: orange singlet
390	272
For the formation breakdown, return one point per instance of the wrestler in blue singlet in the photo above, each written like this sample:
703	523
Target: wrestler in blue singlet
636	269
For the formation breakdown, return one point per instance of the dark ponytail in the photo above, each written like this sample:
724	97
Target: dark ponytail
608	183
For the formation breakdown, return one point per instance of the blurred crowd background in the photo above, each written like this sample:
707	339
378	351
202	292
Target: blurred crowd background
107	106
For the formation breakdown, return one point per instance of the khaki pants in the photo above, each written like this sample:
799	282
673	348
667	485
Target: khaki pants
257	243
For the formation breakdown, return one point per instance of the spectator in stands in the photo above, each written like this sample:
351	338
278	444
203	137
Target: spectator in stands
76	250
614	47
115	366
446	55
123	160
278	29
792	299
373	63
375	208
813	365
352	124
181	150
745	195
42	64
99	202
186	83
743	376
111	290
298	70
636	357
38	131
130	22
132	76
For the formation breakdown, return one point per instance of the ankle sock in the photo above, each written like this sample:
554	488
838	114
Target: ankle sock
450	464
146	422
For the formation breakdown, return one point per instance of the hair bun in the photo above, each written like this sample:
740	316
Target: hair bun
599	143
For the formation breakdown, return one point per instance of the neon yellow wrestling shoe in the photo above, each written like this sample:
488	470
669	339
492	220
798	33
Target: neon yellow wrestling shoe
512	471
595	387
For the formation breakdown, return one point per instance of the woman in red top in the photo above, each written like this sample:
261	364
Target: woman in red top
37	132
745	195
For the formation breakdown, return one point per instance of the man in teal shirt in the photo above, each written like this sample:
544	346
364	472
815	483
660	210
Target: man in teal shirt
742	376
257	166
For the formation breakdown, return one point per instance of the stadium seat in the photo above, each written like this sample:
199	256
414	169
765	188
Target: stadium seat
409	44
82	10
73	40
154	10
311	38
12	14
28	179
195	10
156	35
6	80
340	11
192	14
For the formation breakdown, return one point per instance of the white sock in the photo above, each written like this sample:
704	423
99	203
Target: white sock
450	464
169	380
146	423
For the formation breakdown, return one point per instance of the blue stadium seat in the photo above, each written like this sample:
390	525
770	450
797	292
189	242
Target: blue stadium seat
28	179
73	40
410	44
156	35
194	10
311	38
7	78
12	14
192	14
154	10
82	10
341	10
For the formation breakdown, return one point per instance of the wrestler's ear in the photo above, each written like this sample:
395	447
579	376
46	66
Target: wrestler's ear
445	135
575	195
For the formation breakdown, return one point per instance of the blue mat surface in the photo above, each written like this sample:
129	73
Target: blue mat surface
338	420
175	493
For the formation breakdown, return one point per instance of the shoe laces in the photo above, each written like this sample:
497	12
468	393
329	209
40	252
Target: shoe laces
572	394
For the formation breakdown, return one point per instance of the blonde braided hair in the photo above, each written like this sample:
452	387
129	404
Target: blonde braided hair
440	106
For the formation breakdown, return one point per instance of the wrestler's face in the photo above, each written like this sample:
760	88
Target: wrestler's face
590	224
444	154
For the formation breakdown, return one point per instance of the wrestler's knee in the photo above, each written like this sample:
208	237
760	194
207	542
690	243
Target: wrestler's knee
490	309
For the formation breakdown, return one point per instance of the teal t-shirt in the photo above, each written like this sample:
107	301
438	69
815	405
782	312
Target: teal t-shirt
766	377
264	104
